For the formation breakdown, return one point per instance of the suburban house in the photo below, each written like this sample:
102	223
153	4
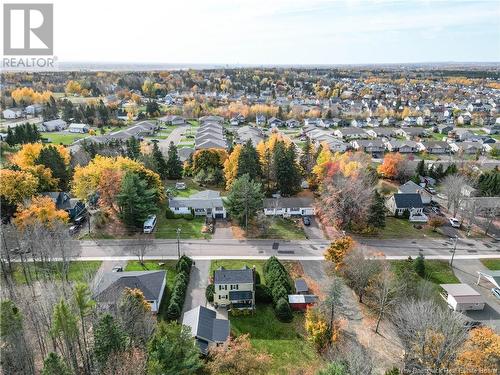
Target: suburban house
112	285
274	122
73	206
34	109
212	119
350	133
411	187
234	289
410	133
12	113
398	203
469	148
172	120
404	147
462	297
289	206
292	123
373	146
210	135
252	133
434	147
206	328
260	120
78	128
380	132
53	125
300	302
206	203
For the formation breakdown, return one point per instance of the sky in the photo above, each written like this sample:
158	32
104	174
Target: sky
276	32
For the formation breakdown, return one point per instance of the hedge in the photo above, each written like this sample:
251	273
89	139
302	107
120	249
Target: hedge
179	288
209	292
263	294
279	285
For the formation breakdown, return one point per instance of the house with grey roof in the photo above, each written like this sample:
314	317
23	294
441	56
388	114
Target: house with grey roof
411	187
434	147
404	147
400	203
206	328
289	206
111	286
206	203
372	146
469	148
53	125
234	289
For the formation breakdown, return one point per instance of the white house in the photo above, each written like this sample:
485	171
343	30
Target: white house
286	207
400	203
54	125
78	128
205	203
234	288
462	297
12	113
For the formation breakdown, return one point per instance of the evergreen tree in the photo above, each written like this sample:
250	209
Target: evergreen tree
133	148
174	164
419	265
489	183
421	170
109	338
307	158
135	201
11	138
248	161
152	107
244	199
377	211
287	171
54	365
451	169
52	159
160	161
67	114
64	327
280	113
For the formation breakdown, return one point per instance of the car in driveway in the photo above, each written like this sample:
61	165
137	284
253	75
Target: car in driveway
79	220
74	229
117	269
496	292
306	220
455	223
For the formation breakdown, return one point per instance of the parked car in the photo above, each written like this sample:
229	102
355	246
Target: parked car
180	185
80	220
73	229
455	223
431	190
117	269
150	224
496	292
306	220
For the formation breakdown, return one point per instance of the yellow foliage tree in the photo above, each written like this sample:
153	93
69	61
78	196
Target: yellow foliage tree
27	96
15	186
317	329
41	210
231	166
73	87
390	166
27	155
324	157
338	250
480	353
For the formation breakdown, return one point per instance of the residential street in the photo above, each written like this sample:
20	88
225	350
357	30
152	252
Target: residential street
175	137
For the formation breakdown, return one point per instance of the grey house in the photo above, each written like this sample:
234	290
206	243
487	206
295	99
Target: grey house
206	328
234	288
112	285
411	202
205	203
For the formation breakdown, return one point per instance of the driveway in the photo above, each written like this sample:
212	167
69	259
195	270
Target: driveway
314	231
223	230
466	271
106	266
198	282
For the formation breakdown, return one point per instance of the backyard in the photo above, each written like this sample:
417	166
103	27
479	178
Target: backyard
79	271
65	138
154	265
235	264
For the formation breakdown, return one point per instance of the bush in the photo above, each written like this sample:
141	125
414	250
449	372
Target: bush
279	292
419	265
283	310
188	216
209	292
169	214
173	311
184	264
392	371
263	294
257	278
406	214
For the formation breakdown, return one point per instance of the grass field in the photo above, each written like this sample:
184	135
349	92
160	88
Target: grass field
153	265
167	228
436	271
64	138
290	351
192	188
78	271
285	229
402	228
491	264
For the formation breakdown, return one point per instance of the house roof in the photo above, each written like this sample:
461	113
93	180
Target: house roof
112	284
410	187
301	286
288	202
408	200
460	290
236	295
242	276
302	298
203	199
205	326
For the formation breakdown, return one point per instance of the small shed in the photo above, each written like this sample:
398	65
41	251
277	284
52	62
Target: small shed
301	287
300	302
462	297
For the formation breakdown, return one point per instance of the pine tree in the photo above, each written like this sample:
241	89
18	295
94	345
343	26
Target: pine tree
109	338
52	159
64	327
287	171
11	138
54	365
377	211
160	161
248	161
174	164
244	199
133	148
135	201
421	170
307	158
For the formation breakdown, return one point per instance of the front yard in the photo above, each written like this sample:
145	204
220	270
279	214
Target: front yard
402	228
491	264
285	342
277	228
167	228
153	265
79	271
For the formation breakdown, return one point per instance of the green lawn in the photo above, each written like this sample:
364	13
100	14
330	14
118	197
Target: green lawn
236	264
192	188
402	228
491	264
167	228
436	271
64	138
153	265
78	271
286	229
290	351
162	134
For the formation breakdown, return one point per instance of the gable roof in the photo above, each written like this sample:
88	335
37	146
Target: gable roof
242	276
408	200
288	202
112	284
301	286
205	326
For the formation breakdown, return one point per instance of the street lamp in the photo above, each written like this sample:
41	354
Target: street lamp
178	231
454	250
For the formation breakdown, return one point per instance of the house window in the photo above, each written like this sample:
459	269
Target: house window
176	208
219	208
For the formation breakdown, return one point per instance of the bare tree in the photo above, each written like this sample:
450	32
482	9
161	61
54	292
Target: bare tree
142	247
453	187
431	335
359	270
333	301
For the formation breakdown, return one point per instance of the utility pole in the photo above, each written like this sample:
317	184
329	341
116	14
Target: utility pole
88	216
178	243
453	252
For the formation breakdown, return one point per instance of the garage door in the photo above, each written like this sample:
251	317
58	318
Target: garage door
219	216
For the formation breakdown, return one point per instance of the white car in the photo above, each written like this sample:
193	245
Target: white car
455	223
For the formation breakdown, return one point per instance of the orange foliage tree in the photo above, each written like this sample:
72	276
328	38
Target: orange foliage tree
41	210
390	167
480	353
338	249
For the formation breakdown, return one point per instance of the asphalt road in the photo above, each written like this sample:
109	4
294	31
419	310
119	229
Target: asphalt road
304	249
175	136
